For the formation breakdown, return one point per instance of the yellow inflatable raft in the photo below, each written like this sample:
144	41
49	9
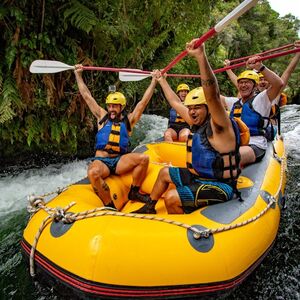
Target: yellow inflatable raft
94	252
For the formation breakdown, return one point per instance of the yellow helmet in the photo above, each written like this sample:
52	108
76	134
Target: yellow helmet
249	74
182	87
116	98
195	97
260	75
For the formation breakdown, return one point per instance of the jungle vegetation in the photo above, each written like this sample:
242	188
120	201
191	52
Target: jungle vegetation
44	113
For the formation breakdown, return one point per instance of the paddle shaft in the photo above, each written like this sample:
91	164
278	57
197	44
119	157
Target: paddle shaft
115	70
238	65
180	56
261	59
262	53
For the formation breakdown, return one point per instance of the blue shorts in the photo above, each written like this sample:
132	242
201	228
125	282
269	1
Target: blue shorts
110	162
195	193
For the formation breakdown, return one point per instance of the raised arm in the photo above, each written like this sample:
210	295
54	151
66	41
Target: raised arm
290	68
172	98
136	114
231	75
210	86
275	81
96	109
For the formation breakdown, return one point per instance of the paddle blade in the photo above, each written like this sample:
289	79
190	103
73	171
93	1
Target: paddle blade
236	13
128	76
49	66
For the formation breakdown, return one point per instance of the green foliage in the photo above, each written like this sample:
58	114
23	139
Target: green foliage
80	16
6	113
34	129
46	113
9	98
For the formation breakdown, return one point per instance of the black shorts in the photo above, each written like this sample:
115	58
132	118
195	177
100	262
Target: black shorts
179	126
259	153
195	193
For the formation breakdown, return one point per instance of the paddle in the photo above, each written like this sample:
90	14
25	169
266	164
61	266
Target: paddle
237	12
53	66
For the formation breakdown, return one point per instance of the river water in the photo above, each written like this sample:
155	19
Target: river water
276	278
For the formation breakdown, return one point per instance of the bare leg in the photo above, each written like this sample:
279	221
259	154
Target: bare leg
138	164
183	135
170	135
161	184
97	171
247	156
140	171
135	162
173	203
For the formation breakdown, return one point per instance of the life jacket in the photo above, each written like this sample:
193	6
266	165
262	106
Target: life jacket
175	118
206	162
253	119
283	100
275	111
113	137
276	107
244	131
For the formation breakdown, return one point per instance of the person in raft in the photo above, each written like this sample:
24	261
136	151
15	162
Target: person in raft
212	165
254	109
112	141
178	129
264	84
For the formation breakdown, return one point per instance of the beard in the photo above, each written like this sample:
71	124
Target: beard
114	116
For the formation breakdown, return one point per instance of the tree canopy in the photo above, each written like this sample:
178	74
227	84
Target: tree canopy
46	113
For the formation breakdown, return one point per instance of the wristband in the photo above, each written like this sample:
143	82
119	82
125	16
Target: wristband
261	68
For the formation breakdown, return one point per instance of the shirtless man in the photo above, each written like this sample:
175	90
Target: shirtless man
215	138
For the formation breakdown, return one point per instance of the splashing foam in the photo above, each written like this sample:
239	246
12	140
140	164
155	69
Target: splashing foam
15	189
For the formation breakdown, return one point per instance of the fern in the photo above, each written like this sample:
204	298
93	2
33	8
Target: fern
10	55
33	129
64	127
55	131
6	113
8	97
81	16
74	131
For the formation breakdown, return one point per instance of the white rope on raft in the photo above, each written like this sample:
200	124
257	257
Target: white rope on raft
62	214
